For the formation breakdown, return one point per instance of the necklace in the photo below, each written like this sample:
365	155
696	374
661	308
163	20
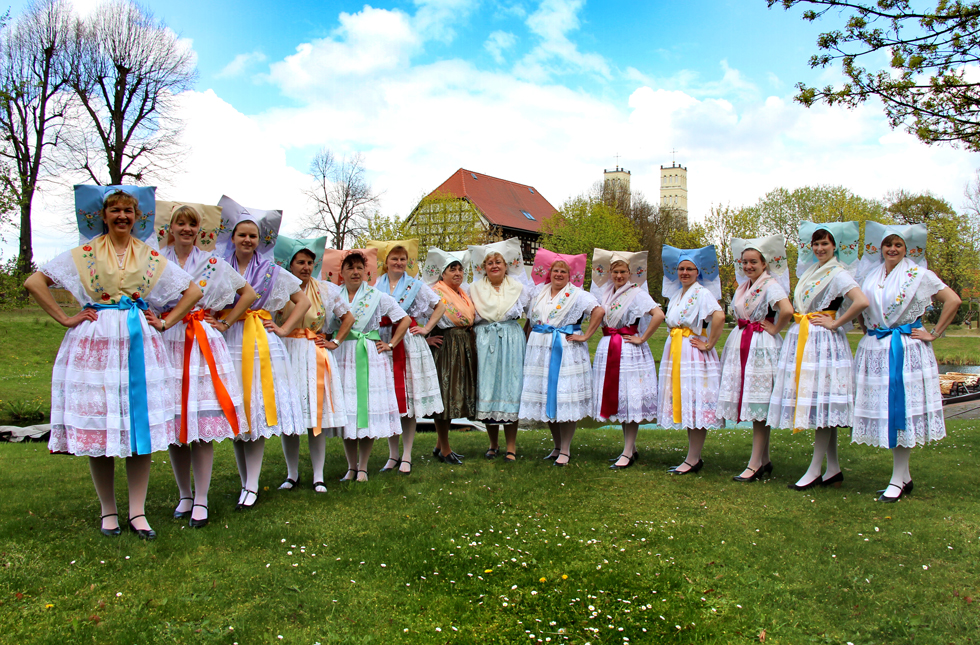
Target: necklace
881	285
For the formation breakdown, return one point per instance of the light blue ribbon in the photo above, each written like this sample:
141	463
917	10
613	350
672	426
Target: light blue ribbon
498	328
896	378
139	414
555	367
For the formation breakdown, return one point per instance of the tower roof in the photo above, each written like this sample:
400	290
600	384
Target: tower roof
502	202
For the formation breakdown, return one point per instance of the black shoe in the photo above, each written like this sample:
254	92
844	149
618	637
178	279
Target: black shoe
409	468
550	456
892	500
906	488
345	478
199	524
815	482
636	455
510	454
767	469
451	458
144	534
292	483
438	454
556	464
179	515
360	480
242	506
693	469
238	506
492	453
111	532
385	469
627	465
755	476
834	481
317	485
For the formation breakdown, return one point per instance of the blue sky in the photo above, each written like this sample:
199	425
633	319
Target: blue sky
544	92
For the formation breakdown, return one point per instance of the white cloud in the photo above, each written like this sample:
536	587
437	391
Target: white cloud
498	42
556	53
435	18
240	63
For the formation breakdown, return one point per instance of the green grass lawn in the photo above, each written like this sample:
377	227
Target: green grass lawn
29	342
480	552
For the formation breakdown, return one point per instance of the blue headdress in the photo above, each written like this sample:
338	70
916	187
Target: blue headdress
89	201
847	236
286	249
705	259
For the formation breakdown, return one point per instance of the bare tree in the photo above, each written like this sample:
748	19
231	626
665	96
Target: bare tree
33	100
342	199
127	69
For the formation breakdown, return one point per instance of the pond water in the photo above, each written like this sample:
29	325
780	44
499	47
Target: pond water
963	369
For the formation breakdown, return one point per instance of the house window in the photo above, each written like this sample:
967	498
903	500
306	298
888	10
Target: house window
528	216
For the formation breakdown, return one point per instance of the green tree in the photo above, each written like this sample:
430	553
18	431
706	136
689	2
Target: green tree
781	211
583	224
382	227
721	225
927	85
953	245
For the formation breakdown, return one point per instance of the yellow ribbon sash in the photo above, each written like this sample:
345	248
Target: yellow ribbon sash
803	320
323	372
677	334
255	332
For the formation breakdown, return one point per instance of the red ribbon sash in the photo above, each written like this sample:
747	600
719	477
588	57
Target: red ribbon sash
398	358
610	384
195	330
746	344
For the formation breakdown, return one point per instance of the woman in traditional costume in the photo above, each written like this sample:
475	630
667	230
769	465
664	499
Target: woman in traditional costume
453	347
690	371
814	383
898	404
557	370
365	362
416	378
211	402
272	406
624	374
500	293
311	357
112	387
748	362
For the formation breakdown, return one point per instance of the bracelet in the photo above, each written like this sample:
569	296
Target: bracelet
942	335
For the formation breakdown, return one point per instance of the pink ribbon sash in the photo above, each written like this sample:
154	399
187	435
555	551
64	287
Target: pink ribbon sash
610	384
746	344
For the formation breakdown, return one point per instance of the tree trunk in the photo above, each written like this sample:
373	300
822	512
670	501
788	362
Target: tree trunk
26	258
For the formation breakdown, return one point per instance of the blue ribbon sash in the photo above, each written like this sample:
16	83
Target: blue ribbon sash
554	368
896	378
139	415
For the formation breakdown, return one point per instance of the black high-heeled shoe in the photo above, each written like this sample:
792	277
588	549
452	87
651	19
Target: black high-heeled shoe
242	506
561	454
906	488
693	469
404	472
891	500
199	524
293	483
345	478
144	534
834	481
438	453
111	532
385	468
361	480
623	467
317	485
767	469
551	456
179	515
815	482
755	476
636	455
451	458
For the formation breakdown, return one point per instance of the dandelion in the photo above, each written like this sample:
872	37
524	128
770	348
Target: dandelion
564	576
48	606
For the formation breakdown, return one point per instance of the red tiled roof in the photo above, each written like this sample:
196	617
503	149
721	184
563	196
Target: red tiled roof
499	200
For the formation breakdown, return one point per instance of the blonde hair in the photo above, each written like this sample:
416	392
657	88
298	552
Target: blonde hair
118	196
492	255
394	249
559	262
187	212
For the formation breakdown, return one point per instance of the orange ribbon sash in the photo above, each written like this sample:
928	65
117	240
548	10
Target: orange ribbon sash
195	330
323	375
